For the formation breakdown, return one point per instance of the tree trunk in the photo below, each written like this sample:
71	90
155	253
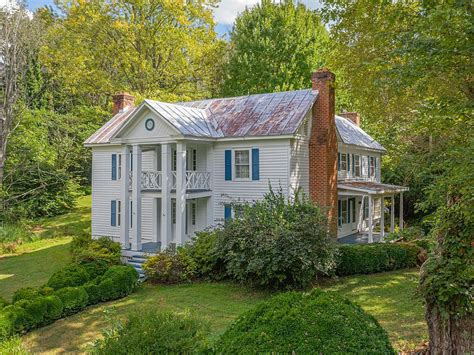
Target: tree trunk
449	336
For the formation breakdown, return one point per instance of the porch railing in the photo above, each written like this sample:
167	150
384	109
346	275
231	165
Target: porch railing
347	175
153	180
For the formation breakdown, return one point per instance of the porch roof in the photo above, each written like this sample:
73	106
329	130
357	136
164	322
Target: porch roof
371	188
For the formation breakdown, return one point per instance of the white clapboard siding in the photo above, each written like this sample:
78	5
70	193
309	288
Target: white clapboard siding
274	170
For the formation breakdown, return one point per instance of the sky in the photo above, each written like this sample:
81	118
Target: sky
224	15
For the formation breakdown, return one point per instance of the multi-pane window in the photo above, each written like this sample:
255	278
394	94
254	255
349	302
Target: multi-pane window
343	162
119	166
344	211
194	160
242	164
371	166
193	213
173	211
119	212
173	160
357	165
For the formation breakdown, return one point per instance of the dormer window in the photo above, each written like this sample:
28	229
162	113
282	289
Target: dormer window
342	161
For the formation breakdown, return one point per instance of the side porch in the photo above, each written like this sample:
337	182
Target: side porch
361	210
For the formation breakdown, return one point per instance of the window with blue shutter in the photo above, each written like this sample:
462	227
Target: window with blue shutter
228	164
255	164
227	212
338	161
113	213
114	166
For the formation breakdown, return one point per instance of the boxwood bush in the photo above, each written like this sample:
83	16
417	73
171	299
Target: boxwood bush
378	257
154	333
118	281
305	323
85	250
70	276
277	243
74	299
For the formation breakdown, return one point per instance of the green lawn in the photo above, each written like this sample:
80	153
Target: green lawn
387	296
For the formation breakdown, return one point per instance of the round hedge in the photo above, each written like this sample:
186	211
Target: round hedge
321	322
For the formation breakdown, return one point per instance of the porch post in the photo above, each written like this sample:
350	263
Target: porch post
125	197
137	197
165	195
392	214
382	218
371	219
180	192
154	207
401	211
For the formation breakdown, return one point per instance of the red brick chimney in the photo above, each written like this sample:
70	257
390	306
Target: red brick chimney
121	100
323	147
353	116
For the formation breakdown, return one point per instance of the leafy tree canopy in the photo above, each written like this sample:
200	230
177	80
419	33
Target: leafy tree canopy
274	47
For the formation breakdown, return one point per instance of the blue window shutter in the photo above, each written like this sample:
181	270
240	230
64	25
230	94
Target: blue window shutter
131	161
227	212
228	165
113	213
114	166
255	164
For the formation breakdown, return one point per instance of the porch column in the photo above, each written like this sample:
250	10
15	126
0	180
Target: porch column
382	218
401	211
154	207
180	192
125	197
137	197
371	219
165	195
392	214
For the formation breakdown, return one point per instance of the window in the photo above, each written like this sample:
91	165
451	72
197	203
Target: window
194	160
366	207
242	164
344	211
349	163
119	168
238	211
193	213
119	212
357	165
173	211
371	166
343	162
173	161
352	210
339	213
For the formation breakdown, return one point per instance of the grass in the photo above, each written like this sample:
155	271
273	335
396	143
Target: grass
34	262
33	268
387	296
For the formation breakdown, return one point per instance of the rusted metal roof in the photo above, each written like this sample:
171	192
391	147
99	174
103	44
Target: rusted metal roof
371	187
352	134
272	114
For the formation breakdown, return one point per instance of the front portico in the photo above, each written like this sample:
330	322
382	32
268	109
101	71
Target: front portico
362	205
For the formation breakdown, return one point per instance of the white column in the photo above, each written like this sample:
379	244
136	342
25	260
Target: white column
392	214
371	219
125	198
210	168
382	218
401	211
155	230
165	195
137	198
180	192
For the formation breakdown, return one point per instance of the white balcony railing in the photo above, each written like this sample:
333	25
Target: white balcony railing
153	180
347	175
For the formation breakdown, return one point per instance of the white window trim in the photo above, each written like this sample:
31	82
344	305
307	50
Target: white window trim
234	170
118	216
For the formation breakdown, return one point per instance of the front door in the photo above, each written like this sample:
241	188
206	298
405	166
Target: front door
352	214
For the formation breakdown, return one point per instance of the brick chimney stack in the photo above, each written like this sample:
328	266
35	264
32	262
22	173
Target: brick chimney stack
353	116
323	147
121	101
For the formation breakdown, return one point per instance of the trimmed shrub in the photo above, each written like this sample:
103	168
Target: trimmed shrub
317	322
86	250
54	308
203	253
13	319
118	281
95	268
169	267
74	299
70	276
93	292
36	310
27	293
277	243
378	257
155	333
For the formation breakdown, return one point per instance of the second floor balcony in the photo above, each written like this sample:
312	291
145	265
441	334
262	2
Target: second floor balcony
195	180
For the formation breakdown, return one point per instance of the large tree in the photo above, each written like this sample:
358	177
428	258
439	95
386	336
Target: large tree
274	47
408	68
164	49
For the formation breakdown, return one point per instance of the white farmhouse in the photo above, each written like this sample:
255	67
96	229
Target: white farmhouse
162	171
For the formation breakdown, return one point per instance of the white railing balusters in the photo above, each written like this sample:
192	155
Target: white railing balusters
195	180
152	180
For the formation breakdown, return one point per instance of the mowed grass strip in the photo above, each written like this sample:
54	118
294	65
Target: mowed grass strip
389	297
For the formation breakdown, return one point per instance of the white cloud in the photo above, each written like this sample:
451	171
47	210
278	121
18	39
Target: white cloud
228	10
